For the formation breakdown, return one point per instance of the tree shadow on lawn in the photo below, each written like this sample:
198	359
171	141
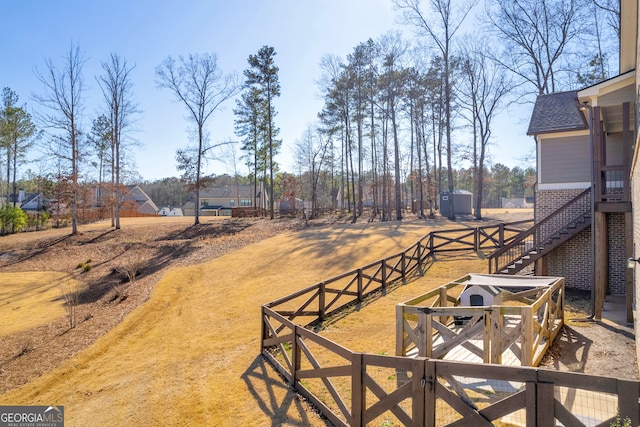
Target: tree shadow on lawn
161	258
266	387
208	230
41	249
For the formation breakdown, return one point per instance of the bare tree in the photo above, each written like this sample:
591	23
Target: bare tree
441	31
62	104
612	9
311	152
117	89
537	37
483	90
200	85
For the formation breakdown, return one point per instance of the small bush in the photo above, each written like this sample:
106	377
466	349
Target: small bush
84	266
71	294
131	267
12	220
620	422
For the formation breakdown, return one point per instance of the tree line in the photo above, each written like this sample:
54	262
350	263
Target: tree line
405	113
401	118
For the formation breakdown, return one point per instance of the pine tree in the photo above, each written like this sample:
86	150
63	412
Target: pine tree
262	74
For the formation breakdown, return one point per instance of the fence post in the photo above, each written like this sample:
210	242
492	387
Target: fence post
501	235
476	239
403	265
526	334
321	302
419	387
384	274
628	395
496	335
400	349
295	357
545	414
430	393
431	242
443	303
357	390
359	280
263	329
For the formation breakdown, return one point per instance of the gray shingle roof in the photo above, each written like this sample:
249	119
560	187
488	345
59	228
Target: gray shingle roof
556	112
228	192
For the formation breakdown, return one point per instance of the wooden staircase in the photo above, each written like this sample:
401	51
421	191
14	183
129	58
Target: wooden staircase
543	237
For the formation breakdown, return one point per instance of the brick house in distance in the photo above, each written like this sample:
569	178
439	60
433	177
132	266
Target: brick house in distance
585	145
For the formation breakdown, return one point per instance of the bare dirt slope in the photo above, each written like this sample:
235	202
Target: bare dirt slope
180	345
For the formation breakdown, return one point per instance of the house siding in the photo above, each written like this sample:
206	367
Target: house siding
554	152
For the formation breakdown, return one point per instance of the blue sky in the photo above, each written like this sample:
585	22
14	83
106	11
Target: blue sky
145	32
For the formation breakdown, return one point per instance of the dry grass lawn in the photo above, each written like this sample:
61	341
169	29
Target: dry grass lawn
190	354
30	299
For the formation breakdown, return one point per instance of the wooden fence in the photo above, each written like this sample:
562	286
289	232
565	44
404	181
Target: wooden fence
520	332
317	302
356	389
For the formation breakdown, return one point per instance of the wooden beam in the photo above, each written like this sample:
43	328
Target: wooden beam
601	263
598	161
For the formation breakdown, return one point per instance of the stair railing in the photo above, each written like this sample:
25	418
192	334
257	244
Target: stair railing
542	233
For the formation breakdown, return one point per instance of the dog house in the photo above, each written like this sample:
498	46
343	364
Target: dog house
462	202
484	318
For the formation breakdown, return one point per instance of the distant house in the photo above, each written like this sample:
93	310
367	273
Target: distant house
517	202
218	201
34	202
167	211
139	201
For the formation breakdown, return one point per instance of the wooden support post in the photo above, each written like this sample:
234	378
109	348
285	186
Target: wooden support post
530	403
545	414
358	394
430	397
526	337
384	274
496	335
598	156
418	387
476	239
628	401
321	302
601	263
263	329
443	303
486	344
359	279
400	349
628	227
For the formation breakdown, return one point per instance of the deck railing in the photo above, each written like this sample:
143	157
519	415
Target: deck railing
542	233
